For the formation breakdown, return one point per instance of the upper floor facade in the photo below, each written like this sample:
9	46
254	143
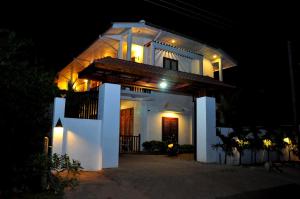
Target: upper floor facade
147	44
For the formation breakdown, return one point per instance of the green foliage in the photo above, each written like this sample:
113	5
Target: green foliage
186	148
56	172
27	91
227	144
155	146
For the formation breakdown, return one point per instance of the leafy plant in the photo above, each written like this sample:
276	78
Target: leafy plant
56	172
227	145
155	146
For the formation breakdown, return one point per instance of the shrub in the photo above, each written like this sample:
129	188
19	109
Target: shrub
56	172
186	148
155	146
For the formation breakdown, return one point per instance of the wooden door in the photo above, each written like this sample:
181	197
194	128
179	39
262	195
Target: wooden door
126	121
170	129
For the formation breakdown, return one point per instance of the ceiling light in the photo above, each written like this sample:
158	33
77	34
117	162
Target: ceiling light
163	84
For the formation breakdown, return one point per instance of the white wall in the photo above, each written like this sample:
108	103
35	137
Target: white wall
184	63
208	69
83	142
169	105
79	138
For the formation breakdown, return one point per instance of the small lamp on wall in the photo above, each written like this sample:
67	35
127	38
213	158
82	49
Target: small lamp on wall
58	129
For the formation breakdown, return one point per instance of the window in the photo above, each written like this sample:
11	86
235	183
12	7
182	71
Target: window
170	64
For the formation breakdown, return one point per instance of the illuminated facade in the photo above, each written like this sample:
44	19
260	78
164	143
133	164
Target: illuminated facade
160	76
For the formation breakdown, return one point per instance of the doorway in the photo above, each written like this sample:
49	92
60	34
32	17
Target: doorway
126	121
170	129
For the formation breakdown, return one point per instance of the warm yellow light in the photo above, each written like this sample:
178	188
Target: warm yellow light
170	145
58	134
85	80
267	142
137	52
170	114
242	142
214	56
287	140
173	41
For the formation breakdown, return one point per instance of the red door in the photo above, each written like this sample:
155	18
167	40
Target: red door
169	129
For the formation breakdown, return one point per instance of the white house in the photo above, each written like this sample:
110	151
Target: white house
135	83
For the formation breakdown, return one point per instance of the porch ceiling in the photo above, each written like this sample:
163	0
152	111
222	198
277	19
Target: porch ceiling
124	72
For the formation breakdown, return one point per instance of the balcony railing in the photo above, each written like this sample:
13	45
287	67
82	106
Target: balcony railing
136	89
82	105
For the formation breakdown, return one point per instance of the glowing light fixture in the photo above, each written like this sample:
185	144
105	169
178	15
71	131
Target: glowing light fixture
287	140
137	52
173	41
58	124
170	145
214	56
267	143
163	84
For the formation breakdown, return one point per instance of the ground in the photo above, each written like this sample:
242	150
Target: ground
159	176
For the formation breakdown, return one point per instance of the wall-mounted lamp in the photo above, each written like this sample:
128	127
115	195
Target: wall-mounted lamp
163	84
58	123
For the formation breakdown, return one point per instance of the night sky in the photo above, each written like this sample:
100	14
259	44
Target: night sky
252	33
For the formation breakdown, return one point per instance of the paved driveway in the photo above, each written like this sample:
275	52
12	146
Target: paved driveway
157	176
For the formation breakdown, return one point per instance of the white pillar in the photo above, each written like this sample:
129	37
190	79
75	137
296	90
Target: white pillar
58	135
109	113
129	43
152	54
220	70
201	66
120	50
206	129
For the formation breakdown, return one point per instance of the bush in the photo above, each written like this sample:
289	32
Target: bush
155	146
54	173
186	148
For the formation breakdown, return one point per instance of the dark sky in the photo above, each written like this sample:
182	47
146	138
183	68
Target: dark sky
252	33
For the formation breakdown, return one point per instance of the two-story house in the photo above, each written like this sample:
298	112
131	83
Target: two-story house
138	82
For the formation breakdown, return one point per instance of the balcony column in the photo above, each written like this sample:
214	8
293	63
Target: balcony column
129	43
201	66
220	69
152	54
120	50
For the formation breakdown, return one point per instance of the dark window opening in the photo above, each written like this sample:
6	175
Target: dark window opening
170	64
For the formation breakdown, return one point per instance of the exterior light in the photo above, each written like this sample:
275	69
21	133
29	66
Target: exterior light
137	52
58	123
58	129
287	140
163	84
267	143
58	134
173	41
214	56
170	146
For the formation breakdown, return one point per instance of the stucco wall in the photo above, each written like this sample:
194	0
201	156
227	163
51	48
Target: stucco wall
208	68
82	141
184	63
169	105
